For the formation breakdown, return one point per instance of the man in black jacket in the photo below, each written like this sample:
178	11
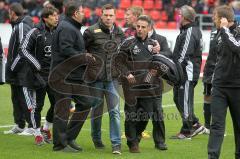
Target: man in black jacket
2	64
102	40
35	57
133	60
226	82
21	25
158	126
67	75
207	78
47	26
188	52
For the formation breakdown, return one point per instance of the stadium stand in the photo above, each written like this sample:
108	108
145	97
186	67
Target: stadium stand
163	12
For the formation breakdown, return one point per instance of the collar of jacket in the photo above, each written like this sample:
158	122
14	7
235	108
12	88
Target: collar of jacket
17	21
25	19
74	22
187	26
42	26
153	35
233	26
140	39
104	28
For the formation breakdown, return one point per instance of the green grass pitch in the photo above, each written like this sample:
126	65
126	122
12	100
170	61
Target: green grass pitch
20	147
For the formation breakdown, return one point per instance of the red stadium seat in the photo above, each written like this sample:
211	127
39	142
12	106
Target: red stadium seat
161	25
120	23
176	15
98	11
125	4
87	12
172	25
35	19
148	4
137	3
120	14
155	14
164	15
158	4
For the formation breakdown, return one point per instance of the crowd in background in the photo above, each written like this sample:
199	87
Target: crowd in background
163	12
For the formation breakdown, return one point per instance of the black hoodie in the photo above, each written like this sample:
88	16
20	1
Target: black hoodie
20	29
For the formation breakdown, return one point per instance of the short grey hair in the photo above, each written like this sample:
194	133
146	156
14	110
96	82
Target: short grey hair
188	13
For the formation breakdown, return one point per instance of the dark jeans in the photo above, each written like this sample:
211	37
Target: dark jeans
222	98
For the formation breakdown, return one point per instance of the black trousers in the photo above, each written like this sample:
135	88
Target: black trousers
137	117
41	94
222	98
65	129
20	111
184	100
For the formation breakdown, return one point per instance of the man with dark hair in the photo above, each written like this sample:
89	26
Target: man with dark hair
35	57
188	52
158	126
21	25
132	61
226	82
102	40
67	45
49	22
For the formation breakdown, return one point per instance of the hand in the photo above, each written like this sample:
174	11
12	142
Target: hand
156	48
223	22
153	72
131	79
90	58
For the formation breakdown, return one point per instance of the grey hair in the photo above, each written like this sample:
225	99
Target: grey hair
188	13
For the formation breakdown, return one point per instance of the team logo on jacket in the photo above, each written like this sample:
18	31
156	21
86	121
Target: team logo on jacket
136	50
48	50
150	48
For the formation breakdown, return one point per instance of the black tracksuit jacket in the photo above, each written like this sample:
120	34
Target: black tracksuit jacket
212	58
227	71
20	29
188	51
35	53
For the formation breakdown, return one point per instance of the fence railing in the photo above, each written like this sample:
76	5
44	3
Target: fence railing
205	21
